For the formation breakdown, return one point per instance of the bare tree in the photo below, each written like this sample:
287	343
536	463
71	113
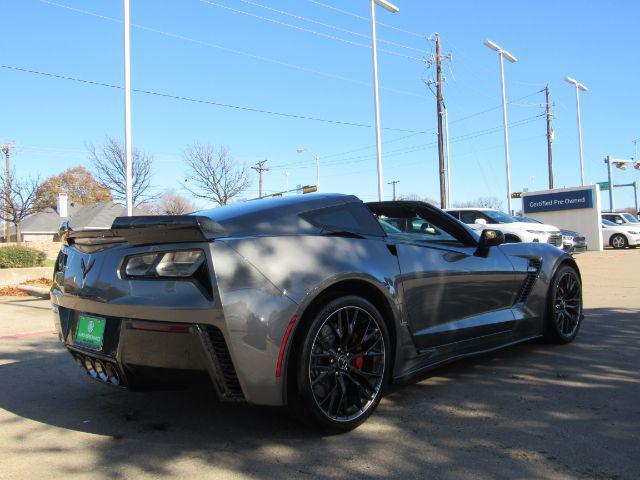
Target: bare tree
18	200
172	203
482	202
110	170
417	198
213	174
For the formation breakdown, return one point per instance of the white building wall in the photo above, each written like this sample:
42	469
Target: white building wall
584	220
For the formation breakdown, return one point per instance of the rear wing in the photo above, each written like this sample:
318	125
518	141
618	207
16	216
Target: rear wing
142	230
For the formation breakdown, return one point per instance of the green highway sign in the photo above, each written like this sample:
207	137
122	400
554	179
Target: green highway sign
604	185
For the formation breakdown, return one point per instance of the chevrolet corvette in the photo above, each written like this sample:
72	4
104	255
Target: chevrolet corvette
318	302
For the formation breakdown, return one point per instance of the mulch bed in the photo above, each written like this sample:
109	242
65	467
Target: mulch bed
39	282
12	292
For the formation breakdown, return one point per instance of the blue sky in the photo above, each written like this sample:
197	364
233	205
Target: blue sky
199	49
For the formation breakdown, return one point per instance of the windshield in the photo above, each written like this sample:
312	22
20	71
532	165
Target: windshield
630	218
497	216
527	220
608	223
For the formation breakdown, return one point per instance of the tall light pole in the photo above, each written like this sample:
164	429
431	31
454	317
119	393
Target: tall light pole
127	110
502	54
579	86
393	9
317	159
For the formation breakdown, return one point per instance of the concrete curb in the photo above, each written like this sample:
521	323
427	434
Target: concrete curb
16	276
34	291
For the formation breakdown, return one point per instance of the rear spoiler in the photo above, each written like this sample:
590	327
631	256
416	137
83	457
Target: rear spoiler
147	230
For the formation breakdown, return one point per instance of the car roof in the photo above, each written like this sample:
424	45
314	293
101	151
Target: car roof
482	209
274	215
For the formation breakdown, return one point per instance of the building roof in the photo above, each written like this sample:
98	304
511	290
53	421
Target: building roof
81	217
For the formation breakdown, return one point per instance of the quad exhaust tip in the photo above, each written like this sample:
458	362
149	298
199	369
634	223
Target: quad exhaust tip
98	369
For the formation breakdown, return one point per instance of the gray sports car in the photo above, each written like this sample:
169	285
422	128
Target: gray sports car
317	301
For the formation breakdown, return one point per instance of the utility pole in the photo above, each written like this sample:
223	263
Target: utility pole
260	169
549	136
446	128
393	184
440	110
6	149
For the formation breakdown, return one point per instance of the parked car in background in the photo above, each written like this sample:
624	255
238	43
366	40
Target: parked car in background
622	218
572	242
514	231
620	236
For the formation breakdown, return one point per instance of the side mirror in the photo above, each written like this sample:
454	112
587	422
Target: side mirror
618	221
480	221
488	239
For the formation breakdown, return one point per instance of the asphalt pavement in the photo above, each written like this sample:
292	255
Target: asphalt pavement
533	411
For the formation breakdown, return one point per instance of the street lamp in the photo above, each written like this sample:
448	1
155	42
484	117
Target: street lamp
127	110
317	159
502	54
579	86
393	9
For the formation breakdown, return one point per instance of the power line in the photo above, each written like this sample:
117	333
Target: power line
234	51
307	30
421	147
203	101
327	25
404	137
361	17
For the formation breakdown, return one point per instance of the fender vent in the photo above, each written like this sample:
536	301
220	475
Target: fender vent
533	271
227	380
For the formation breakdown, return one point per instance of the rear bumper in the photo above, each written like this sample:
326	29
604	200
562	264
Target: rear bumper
131	346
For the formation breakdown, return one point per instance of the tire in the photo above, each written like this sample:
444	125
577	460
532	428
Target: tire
564	306
619	241
342	366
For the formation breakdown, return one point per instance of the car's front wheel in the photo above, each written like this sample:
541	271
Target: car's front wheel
343	365
619	241
564	308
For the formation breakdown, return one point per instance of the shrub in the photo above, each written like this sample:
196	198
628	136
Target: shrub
20	257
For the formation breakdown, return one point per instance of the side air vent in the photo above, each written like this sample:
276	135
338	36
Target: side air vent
533	271
224	372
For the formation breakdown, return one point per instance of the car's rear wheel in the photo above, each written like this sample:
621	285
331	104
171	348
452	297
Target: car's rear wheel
619	241
343	365
564	309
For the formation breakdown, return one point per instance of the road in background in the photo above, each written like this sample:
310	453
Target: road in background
534	411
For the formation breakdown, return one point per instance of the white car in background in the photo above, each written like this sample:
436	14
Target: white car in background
620	236
514	231
622	218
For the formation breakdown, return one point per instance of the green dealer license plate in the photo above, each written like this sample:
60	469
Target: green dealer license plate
90	331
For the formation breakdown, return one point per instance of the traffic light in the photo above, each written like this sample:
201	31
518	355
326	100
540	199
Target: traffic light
516	195
309	189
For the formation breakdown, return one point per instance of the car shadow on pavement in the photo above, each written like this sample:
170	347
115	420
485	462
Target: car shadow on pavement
535	410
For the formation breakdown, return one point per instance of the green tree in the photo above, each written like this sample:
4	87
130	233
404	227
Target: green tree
79	185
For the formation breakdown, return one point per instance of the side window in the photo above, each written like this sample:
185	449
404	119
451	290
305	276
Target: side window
469	216
454	214
416	228
351	217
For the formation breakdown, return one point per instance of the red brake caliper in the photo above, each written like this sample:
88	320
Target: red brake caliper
358	362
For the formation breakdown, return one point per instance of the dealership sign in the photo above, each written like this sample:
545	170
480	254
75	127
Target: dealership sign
550	202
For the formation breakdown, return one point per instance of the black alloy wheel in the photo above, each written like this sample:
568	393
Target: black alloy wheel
565	306
345	365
